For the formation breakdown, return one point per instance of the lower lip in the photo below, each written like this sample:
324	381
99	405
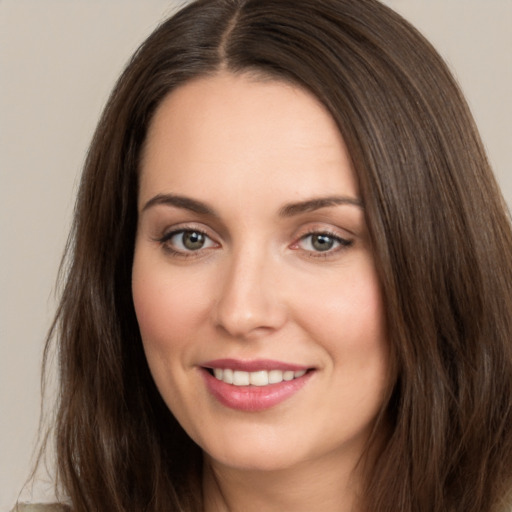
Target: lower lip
253	398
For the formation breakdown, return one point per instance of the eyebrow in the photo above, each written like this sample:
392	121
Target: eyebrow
311	205
183	202
288	210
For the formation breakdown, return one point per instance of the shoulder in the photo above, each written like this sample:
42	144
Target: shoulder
40	507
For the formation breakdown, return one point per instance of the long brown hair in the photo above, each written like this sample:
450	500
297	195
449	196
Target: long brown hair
443	250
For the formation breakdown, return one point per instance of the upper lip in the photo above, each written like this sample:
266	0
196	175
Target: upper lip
253	365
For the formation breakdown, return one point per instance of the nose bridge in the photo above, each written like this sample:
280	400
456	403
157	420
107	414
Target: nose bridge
249	300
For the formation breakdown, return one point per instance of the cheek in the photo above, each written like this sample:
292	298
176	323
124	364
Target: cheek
346	317
347	307
168	305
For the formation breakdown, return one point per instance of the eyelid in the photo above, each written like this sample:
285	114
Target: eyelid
342	241
172	231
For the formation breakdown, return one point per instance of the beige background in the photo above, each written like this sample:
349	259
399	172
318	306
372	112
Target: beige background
58	61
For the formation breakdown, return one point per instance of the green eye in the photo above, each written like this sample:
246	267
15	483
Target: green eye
322	242
185	241
192	240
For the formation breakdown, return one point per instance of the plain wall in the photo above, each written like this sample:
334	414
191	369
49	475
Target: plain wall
58	62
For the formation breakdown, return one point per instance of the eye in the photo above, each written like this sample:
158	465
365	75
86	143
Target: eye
322	242
187	240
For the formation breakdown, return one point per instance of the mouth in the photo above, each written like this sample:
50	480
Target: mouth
257	378
255	385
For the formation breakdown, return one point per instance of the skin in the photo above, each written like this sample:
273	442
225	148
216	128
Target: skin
260	289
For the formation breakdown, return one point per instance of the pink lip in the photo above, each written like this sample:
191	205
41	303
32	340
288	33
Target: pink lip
252	398
253	365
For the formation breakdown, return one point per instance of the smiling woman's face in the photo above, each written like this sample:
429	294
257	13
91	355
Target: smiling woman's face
253	280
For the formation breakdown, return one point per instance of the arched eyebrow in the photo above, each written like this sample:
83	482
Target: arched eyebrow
186	203
288	210
311	205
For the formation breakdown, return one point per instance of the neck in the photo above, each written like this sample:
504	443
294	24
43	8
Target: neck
313	485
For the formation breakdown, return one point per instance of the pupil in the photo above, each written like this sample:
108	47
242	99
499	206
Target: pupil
193	240
322	242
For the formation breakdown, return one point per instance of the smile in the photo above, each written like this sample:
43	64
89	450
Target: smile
253	386
258	378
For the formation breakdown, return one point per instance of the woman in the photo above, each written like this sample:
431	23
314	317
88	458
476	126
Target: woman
290	278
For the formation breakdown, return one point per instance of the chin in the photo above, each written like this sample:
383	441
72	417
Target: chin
254	460
257	452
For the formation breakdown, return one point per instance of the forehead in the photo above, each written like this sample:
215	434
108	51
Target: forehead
236	131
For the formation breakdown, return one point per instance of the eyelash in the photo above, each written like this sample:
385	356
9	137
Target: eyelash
182	253
343	243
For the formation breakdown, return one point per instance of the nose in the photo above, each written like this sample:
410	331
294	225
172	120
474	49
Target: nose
250	302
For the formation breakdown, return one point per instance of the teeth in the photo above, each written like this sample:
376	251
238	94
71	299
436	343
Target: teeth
288	375
227	376
259	378
275	376
241	378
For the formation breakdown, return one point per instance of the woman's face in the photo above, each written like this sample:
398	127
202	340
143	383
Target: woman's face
253	281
